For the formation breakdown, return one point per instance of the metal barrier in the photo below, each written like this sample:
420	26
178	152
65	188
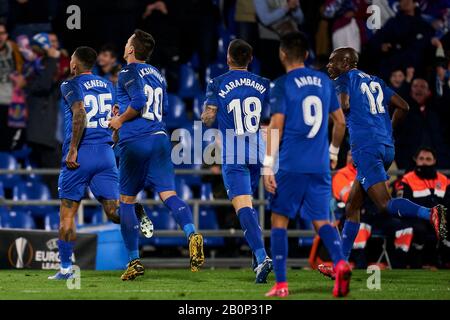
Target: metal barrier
196	204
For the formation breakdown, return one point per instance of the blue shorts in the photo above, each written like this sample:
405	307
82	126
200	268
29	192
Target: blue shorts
97	170
371	163
241	179
306	193
146	162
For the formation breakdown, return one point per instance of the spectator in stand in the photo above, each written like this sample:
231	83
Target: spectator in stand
64	59
11	79
421	127
246	24
349	22
275	19
426	187
106	62
403	41
43	104
400	82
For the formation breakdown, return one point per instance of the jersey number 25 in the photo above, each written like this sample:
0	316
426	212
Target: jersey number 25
98	105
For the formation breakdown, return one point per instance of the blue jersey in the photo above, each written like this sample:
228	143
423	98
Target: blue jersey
368	120
240	96
98	96
143	88
305	97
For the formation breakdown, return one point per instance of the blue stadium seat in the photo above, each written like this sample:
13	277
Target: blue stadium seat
197	106
224	40
183	189
175	116
33	190
304	224
18	219
206	192
255	66
189	85
214	70
2	191
163	220
208	221
51	221
7	161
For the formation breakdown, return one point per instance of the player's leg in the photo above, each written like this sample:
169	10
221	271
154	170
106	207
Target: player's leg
133	167
316	208
161	177
279	249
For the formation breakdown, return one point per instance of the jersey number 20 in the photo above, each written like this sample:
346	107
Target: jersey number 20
153	107
252	113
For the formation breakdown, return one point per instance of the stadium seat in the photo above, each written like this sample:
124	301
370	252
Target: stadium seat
214	70
18	219
7	161
2	191
255	66
183	189
51	221
303	224
189	85
224	40
175	117
197	106
33	190
163	220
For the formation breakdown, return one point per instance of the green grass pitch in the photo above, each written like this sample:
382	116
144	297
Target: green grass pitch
220	284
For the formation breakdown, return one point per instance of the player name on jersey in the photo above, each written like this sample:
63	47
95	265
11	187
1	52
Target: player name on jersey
96	83
149	71
308	81
242	82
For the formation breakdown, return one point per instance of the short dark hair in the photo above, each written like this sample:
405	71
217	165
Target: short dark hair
295	46
426	149
240	52
143	44
87	56
109	48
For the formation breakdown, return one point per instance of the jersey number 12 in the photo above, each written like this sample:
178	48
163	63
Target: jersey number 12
376	105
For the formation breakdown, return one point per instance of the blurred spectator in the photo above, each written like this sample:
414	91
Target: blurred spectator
64	59
348	29
275	18
43	104
343	180
420	127
403	41
106	63
247	26
426	187
11	82
400	82
29	17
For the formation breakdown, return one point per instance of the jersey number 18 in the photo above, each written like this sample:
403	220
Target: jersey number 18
251	107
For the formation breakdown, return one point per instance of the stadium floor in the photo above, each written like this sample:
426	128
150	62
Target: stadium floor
219	284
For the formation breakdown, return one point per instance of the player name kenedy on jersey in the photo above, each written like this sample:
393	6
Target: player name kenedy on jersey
149	71
308	81
242	82
95	83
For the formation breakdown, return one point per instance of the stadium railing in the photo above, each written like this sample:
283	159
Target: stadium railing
261	202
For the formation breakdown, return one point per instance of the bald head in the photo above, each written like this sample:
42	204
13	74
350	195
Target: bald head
342	60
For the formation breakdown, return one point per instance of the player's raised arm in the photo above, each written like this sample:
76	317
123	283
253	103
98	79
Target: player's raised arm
78	126
401	109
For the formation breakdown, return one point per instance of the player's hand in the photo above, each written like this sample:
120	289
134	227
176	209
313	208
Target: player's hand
115	123
269	180
71	159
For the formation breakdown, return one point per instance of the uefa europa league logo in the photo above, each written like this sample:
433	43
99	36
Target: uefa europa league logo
22	255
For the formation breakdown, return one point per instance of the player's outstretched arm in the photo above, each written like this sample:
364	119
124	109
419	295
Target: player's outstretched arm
78	126
209	115
401	109
337	136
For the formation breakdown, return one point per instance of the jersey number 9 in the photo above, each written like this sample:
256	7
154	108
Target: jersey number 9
98	105
310	104
153	107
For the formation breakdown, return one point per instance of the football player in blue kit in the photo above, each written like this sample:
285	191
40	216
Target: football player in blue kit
302	101
237	98
88	159
145	150
366	99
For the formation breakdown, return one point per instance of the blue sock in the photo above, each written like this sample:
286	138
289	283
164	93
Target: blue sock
349	233
330	238
252	232
279	247
129	226
181	213
65	253
401	207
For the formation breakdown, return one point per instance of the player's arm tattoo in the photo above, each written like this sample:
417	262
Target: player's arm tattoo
209	115
78	123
